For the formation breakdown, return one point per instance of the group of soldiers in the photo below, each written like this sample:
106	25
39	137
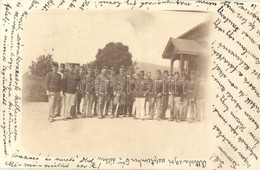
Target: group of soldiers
107	94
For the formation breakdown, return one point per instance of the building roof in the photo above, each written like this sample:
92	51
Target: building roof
186	47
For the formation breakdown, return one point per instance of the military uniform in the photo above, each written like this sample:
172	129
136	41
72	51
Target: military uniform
141	92
111	104
102	91
53	88
78	93
148	81
129	100
89	97
156	97
175	87
70	85
184	99
165	94
95	108
120	93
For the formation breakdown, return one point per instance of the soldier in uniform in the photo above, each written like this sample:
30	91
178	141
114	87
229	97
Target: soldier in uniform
120	90
89	92
148	96
78	94
130	89
60	109
53	90
70	86
165	93
140	93
156	96
102	89
184	99
175	87
111	105
96	73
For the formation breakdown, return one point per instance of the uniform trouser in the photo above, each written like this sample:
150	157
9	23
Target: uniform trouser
165	99
156	107
53	103
78	100
102	98
60	109
184	108
121	105
109	105
129	109
88	104
139	107
175	110
95	108
70	102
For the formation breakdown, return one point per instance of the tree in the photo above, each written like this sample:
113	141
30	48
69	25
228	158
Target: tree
42	65
114	54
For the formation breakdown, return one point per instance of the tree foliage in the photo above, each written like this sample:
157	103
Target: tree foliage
42	65
113	54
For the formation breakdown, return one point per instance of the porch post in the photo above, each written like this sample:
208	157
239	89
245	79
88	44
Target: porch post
171	70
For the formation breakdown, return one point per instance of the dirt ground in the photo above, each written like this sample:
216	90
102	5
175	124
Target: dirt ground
106	137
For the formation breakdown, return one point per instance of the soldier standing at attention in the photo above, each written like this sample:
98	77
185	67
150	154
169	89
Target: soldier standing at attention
78	94
89	81
120	90
111	105
184	100
130	89
156	96
70	86
148	81
96	73
176	92
60	110
165	93
53	89
102	89
140	94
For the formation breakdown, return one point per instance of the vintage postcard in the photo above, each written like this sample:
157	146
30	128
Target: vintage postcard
130	84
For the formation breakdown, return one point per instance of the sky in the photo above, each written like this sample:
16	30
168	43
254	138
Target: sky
76	36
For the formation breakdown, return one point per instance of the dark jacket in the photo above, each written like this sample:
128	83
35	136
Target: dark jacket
70	82
142	88
53	82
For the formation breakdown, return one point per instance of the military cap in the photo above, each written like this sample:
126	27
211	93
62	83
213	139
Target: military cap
112	68
55	64
105	67
166	71
122	66
158	71
62	65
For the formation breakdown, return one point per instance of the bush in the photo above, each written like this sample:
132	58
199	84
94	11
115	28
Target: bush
33	89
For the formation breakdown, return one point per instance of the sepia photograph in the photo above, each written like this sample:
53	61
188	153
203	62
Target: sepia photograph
154	84
116	83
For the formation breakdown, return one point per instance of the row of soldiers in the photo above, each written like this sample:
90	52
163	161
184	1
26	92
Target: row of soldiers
106	93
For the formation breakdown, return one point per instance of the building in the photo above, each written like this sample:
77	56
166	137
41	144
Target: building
190	49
